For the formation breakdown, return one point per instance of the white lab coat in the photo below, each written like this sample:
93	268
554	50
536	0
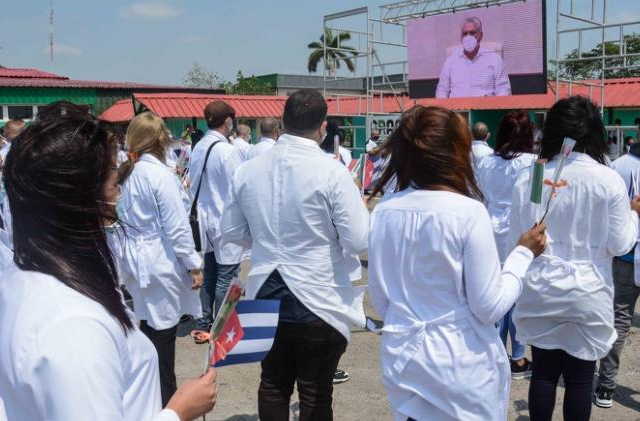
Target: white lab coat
345	156
263	145
306	219
435	278
496	177
479	149
628	166
567	301
159	249
63	357
214	193
243	147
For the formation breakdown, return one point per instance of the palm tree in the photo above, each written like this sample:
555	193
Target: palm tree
336	52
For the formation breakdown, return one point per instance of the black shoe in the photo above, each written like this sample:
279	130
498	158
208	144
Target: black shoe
603	398
340	376
519	372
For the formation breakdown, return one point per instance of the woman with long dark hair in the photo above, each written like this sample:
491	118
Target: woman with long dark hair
496	175
165	268
70	349
435	276
566	309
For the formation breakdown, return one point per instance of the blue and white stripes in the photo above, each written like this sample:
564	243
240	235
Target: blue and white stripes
259	320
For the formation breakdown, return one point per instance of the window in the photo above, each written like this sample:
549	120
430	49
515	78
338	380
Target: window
21	112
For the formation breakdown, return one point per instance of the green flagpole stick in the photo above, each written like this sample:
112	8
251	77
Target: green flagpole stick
536	181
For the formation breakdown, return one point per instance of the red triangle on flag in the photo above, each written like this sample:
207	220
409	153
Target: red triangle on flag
231	334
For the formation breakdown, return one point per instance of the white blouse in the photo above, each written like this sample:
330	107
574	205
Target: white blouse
63	357
496	177
158	247
567	301
435	278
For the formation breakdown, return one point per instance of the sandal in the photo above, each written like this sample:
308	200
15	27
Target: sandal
200	336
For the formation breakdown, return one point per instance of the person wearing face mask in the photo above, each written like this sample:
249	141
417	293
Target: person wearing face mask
471	70
303	215
214	159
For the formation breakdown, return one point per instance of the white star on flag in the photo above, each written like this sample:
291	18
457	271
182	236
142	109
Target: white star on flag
230	335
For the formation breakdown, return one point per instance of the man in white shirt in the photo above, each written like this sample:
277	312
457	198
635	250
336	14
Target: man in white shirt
479	146
304	216
221	263
270	130
241	142
472	70
626	292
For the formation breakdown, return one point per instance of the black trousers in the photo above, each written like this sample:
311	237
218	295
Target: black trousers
548	365
165	343
306	353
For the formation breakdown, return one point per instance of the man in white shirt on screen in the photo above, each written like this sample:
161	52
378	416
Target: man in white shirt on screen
471	70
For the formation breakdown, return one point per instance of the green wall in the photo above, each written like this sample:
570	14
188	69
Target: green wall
41	96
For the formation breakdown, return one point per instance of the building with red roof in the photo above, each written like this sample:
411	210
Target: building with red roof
23	90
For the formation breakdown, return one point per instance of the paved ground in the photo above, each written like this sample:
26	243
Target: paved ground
363	398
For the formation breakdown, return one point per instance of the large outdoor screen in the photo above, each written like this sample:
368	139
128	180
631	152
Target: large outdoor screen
488	51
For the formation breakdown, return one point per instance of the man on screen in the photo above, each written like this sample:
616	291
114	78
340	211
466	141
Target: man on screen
472	70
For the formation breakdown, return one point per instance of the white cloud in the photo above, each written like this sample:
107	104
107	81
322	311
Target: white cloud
151	11
63	50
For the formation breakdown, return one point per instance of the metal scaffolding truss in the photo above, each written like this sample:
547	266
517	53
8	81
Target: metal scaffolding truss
580	17
411	9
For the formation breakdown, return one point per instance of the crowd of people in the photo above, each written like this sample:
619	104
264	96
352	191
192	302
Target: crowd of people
459	260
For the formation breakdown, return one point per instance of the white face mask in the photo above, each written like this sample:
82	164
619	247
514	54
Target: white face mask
230	125
469	43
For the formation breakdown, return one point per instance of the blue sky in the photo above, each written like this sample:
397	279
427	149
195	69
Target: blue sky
157	41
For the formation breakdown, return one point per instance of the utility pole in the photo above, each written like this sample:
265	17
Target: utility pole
51	30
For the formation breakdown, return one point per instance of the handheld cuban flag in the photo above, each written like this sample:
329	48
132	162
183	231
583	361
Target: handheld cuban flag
248	334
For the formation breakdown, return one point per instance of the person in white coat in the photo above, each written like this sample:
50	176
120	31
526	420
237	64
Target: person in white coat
479	146
214	160
626	287
70	349
242	142
496	174
164	269
435	277
270	131
305	217
565	311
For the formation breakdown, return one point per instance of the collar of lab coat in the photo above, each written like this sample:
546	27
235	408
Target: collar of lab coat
217	134
288	139
267	140
578	157
147	157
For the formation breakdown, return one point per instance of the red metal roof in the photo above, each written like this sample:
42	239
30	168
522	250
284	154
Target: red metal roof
178	105
28	73
34	78
621	93
120	112
618	93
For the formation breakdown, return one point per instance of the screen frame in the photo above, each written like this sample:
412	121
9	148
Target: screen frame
521	84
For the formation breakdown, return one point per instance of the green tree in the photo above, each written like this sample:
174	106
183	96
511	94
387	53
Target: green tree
249	86
593	69
334	56
199	77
